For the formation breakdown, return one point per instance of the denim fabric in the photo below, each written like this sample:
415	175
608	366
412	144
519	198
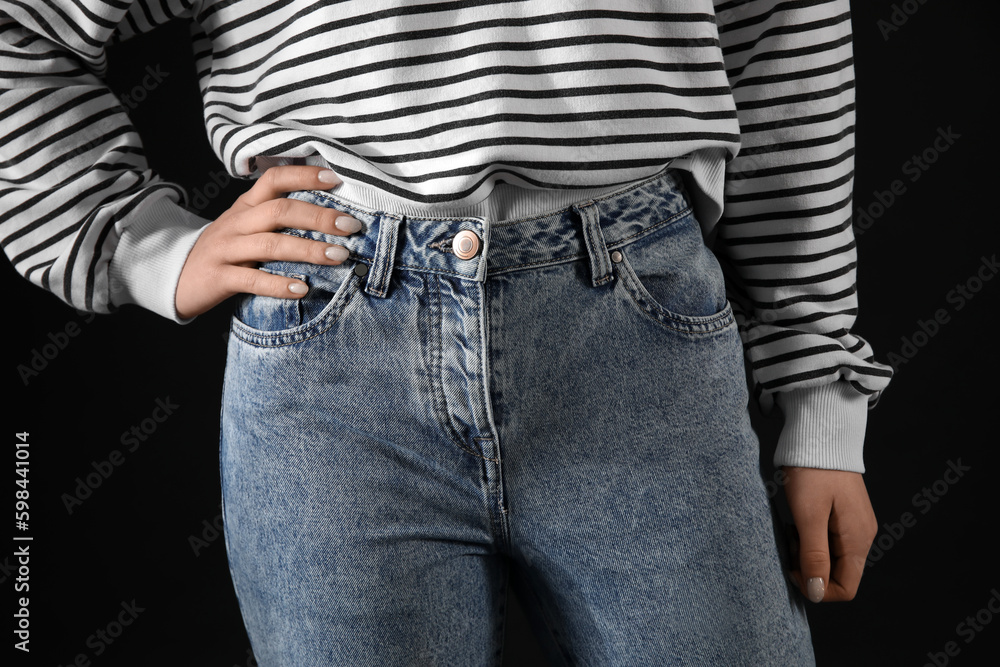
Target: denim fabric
405	442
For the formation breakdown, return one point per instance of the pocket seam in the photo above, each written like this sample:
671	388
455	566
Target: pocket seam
652	309
303	332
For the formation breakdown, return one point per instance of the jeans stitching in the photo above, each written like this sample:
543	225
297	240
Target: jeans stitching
659	314
616	244
437	374
322	325
549	260
477	439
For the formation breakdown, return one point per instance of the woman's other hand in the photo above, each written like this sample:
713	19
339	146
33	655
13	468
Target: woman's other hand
836	526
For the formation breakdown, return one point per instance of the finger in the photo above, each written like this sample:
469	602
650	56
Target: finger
845	578
283	212
276	181
814	555
254	281
269	246
851	536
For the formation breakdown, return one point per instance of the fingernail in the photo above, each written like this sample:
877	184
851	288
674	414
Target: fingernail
337	253
328	176
815	589
347	224
297	288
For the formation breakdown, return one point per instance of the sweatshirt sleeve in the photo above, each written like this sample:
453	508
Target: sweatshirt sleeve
81	214
785	238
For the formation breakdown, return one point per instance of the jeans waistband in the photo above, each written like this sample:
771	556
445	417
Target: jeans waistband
591	227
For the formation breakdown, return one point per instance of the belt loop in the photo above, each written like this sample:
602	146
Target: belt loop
600	260
385	255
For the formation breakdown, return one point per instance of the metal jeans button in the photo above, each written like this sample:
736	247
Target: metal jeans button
465	244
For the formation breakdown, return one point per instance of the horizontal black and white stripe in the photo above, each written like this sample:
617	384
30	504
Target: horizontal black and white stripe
785	236
436	101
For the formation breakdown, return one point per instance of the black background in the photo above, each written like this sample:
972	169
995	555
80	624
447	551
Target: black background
131	540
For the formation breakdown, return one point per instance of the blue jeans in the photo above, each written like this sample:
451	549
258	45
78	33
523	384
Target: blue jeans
563	410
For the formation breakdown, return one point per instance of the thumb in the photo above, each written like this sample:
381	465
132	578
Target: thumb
814	555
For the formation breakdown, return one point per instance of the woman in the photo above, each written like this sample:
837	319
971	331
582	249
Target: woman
502	263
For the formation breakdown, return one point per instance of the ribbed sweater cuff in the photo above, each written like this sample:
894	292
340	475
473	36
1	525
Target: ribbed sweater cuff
150	254
824	427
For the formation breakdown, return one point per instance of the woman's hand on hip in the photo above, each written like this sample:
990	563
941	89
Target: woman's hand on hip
223	260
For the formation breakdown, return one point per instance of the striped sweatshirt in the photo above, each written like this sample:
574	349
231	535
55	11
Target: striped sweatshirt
433	103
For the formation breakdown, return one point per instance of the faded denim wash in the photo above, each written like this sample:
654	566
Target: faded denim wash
405	442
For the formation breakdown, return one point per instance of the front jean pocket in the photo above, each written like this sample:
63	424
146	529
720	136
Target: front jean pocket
272	322
670	276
